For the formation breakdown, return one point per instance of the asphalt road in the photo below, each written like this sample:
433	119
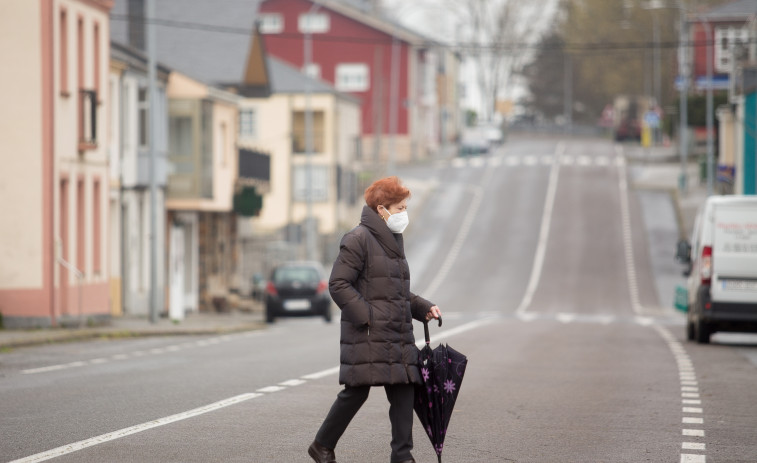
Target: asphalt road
537	255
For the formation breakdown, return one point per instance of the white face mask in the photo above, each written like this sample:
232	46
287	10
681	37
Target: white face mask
398	222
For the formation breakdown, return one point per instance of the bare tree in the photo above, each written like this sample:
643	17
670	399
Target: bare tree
498	36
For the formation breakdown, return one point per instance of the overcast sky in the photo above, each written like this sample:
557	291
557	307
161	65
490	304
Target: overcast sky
433	19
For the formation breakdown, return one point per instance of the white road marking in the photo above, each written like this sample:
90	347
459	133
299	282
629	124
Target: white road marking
526	317
477	162
322	373
459	162
530	160
546	220
101	439
292	383
565	317
625	217
512	161
689	394
269	389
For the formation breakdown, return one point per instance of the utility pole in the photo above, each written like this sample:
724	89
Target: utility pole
683	74
393	103
568	93
152	135
309	220
710	115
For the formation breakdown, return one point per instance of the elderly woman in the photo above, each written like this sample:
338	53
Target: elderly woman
370	282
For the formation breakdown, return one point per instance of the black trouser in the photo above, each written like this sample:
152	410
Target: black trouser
349	401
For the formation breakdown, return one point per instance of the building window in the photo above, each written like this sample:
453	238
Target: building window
312	70
87	119
271	23
222	141
63	52
299	140
313	23
96	57
320	183
181	138
352	77
726	40
248	123
142	119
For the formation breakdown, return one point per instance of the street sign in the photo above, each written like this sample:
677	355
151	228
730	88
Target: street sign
652	119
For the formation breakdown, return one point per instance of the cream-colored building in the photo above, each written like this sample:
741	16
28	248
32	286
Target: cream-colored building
202	246
276	124
55	180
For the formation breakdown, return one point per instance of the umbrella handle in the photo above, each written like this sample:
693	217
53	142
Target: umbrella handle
425	330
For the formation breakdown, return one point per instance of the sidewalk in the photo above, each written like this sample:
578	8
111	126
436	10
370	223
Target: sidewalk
668	214
200	323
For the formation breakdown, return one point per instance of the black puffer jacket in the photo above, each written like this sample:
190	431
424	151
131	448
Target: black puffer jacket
370	282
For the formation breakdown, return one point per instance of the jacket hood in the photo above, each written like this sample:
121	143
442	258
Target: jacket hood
392	243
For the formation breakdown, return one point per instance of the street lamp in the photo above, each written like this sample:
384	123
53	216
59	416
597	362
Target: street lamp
310	231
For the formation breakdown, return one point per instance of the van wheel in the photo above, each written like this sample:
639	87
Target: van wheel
690	331
702	332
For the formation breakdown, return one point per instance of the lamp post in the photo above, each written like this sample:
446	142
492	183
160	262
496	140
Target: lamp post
683	73
310	232
710	144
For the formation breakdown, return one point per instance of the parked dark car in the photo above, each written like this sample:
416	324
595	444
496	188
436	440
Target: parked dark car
297	289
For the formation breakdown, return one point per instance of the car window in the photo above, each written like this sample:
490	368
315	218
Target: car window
302	274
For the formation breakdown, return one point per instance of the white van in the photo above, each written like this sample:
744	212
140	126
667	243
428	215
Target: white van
722	277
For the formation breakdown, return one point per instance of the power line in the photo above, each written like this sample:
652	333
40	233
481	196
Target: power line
501	47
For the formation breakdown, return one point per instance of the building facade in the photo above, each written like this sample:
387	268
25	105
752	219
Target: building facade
393	71
54	239
130	197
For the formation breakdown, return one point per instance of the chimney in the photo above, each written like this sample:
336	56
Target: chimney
136	11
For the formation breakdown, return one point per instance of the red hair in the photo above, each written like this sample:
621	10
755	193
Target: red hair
385	192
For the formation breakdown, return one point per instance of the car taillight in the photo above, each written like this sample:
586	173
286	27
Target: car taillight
705	268
322	286
271	289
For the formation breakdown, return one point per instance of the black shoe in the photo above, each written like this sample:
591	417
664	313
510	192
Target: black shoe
321	454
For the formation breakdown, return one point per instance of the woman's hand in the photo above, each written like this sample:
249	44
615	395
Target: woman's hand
434	312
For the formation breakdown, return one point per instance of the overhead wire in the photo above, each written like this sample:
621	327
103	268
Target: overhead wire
501	47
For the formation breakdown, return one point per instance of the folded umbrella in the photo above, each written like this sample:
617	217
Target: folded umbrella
442	369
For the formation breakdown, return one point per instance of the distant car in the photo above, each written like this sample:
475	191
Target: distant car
473	142
722	267
297	289
493	133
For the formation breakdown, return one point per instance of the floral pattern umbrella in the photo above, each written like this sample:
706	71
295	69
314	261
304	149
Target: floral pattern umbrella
442	369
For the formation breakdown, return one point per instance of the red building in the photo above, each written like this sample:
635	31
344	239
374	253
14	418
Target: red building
395	72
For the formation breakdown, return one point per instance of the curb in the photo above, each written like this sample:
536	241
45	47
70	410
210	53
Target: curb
52	337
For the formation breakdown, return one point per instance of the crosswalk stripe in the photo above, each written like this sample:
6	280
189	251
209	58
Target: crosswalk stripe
531	160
